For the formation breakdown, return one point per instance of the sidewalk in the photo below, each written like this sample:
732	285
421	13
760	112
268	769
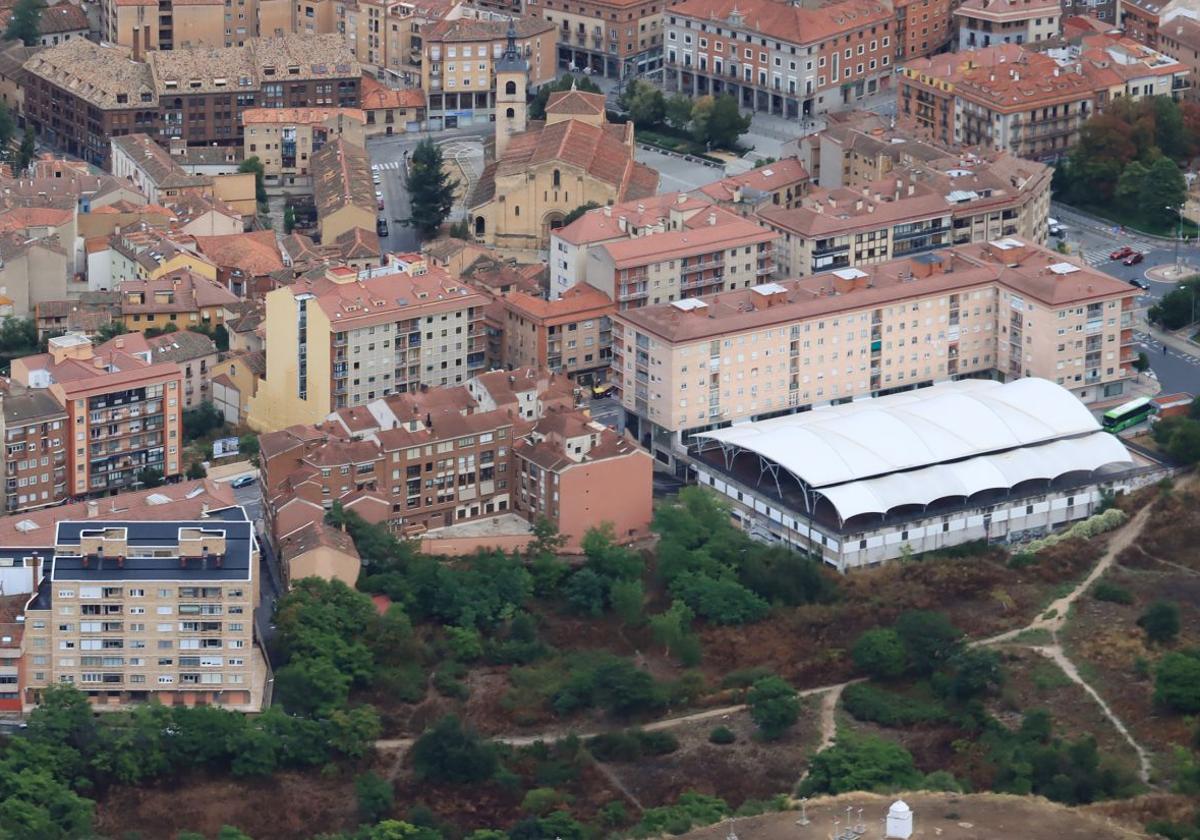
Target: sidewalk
1178	341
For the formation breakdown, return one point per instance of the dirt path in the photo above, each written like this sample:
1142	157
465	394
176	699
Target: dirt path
1055	653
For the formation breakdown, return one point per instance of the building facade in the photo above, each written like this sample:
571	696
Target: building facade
1002	309
609	38
285	139
571	335
35	450
790	60
982	23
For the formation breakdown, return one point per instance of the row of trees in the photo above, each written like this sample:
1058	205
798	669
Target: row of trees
714	121
1128	158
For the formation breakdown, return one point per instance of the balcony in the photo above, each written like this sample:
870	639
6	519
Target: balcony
701	265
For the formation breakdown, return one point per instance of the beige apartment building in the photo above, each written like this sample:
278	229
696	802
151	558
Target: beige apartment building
136	611
1003	309
711	251
285	139
918	202
347	338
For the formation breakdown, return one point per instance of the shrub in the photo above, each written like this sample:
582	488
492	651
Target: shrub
451	753
375	797
722	735
774	706
1161	622
1085	529
1107	591
631	745
880	653
1177	682
540	801
930	639
860	762
720	600
887	708
745	677
690	809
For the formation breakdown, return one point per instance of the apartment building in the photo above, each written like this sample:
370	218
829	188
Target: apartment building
143	26
792	60
1007	98
285	139
609	38
458	64
779	183
133	611
124	410
343	191
982	23
1145	21
923	27
571	335
907	198
1179	38
712	251
1002	309
80	94
345	339
35	450
182	297
196	355
391	111
573	470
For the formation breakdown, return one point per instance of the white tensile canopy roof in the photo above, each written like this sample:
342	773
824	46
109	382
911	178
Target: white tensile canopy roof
951	439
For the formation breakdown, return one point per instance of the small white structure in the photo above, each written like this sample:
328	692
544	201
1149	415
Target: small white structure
899	821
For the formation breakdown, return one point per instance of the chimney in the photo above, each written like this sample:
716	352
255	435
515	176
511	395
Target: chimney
608	211
93	509
137	44
712	219
204	508
622	222
120	561
118	342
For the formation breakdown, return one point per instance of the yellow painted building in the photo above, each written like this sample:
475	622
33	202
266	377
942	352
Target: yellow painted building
182	298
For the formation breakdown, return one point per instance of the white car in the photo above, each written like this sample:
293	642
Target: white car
376	178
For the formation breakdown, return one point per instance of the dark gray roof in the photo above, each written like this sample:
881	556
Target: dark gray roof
235	564
34	406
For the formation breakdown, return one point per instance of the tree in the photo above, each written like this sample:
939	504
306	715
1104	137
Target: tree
1161	622
930	638
196	470
289	219
311	686
645	103
976	672
585	592
111	330
430	189
537	107
1164	191
774	706
253	164
28	149
25	23
1142	363
7	129
718	122
880	653
1184	445
678	111
1177	682
1177	307
860	762
579	211
375	797
199	421
452	753
150	477
627	597
671	628
1128	192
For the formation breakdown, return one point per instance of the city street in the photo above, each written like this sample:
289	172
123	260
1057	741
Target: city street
1093	241
387	158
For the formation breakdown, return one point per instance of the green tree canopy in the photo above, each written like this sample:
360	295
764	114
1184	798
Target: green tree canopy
1160	621
451	752
774	706
25	22
718	121
861	762
930	638
881	653
430	189
537	106
677	111
253	164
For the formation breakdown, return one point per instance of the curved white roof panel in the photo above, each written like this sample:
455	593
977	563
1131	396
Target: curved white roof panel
951	421
1000	471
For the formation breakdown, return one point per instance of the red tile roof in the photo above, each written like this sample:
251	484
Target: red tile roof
373	96
795	24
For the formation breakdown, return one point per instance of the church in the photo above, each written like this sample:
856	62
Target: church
544	169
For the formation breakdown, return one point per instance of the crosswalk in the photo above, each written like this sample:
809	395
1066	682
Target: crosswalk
1154	347
1099	254
391	164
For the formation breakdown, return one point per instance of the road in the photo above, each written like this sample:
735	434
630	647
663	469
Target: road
387	157
270	574
1093	242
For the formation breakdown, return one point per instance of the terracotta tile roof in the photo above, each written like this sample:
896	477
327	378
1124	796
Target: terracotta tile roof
255	253
299	116
603	152
188	290
96	73
373	96
577	303
312	536
60	18
358	244
473	29
716	229
1182	30
575	102
181	346
341	174
795	24
768	178
605	222
825	212
1024	269
21	218
162	170
496	276
183	501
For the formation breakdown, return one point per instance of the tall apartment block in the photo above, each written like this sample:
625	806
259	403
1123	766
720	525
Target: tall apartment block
348	338
132	611
35	450
1000	310
123	411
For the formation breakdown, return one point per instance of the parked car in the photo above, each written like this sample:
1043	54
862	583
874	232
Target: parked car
602	390
381	227
1134	258
1121	253
243	481
377	178
1140	283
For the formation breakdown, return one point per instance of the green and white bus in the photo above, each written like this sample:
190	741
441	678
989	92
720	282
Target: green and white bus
1128	414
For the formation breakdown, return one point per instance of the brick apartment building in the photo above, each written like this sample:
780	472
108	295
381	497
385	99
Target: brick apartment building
791	60
80	94
1003	309
571	335
124	411
35	450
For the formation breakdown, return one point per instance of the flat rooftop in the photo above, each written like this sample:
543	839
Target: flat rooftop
153	552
